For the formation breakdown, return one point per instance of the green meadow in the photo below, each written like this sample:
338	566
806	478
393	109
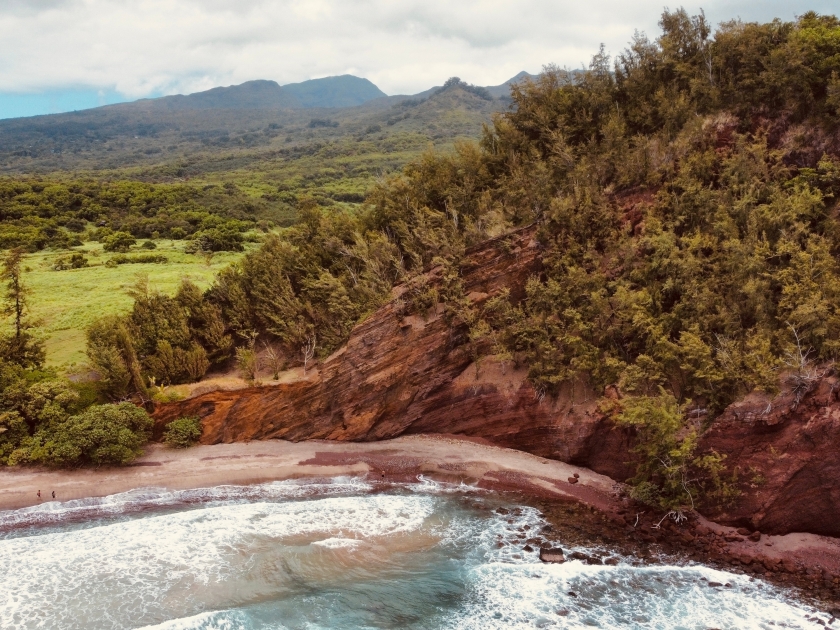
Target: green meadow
66	302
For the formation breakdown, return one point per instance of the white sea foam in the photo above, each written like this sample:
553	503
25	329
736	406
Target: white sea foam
333	555
175	562
224	620
575	595
143	498
430	486
338	543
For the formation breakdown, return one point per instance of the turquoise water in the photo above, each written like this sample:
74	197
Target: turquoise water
339	554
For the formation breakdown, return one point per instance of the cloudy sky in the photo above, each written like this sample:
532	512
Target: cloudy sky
60	55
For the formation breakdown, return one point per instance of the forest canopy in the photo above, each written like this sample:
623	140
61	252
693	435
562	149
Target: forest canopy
685	194
40	213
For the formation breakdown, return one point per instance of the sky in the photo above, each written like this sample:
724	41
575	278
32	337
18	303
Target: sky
63	55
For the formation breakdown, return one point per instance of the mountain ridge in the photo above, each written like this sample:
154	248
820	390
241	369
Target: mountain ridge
251	115
338	91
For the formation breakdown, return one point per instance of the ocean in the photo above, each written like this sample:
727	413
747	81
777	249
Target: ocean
344	554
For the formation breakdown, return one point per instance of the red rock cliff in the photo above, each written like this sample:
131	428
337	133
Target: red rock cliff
787	455
401	375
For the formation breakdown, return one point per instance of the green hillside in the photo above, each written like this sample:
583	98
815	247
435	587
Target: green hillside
188	185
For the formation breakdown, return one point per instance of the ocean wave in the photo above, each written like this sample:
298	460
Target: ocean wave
345	553
222	620
193	558
575	595
151	497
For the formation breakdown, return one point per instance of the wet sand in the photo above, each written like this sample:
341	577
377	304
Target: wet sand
274	460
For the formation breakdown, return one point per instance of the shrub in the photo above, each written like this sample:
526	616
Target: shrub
74	261
322	122
183	432
119	242
101	435
146	259
248	363
668	475
215	240
149	245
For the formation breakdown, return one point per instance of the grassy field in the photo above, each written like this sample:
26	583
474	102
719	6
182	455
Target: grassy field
271	158
66	302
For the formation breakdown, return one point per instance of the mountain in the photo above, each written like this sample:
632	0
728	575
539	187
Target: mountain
248	95
341	91
253	117
503	90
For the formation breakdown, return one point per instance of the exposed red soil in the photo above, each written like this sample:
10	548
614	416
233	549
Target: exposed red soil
400	375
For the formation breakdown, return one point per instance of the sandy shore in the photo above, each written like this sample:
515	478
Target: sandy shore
274	460
812	562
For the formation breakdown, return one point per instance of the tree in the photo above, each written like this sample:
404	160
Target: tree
247	358
274	359
21	347
112	353
101	435
119	242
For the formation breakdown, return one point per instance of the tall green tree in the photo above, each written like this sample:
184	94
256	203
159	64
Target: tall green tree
20	346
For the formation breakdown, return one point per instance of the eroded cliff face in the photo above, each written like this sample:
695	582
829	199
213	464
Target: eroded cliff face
409	374
787	455
394	371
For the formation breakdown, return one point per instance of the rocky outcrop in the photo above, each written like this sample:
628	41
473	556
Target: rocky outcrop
408	374
786	451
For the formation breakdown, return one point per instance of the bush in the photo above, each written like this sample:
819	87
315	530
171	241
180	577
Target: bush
74	261
122	259
183	432
149	245
322	122
668	474
119	242
101	435
215	240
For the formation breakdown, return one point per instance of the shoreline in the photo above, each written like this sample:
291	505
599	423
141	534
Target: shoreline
570	496
247	463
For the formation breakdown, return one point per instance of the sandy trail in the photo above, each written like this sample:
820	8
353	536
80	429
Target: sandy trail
275	460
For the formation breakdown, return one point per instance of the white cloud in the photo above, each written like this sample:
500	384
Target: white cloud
143	47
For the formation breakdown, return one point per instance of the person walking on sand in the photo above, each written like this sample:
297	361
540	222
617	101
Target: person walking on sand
39	494
53	494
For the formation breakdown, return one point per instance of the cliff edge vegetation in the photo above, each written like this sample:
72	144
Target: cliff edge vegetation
684	202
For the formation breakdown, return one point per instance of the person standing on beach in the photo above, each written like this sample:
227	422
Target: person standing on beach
39	494
53	494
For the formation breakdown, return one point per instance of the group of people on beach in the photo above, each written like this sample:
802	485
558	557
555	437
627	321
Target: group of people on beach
39	494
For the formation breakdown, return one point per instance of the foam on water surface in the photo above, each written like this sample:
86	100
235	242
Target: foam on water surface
337	555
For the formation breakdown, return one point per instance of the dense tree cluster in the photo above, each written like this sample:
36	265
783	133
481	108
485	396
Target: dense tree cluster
687	221
35	214
48	420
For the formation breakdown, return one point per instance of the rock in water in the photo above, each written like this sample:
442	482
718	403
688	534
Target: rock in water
552	555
